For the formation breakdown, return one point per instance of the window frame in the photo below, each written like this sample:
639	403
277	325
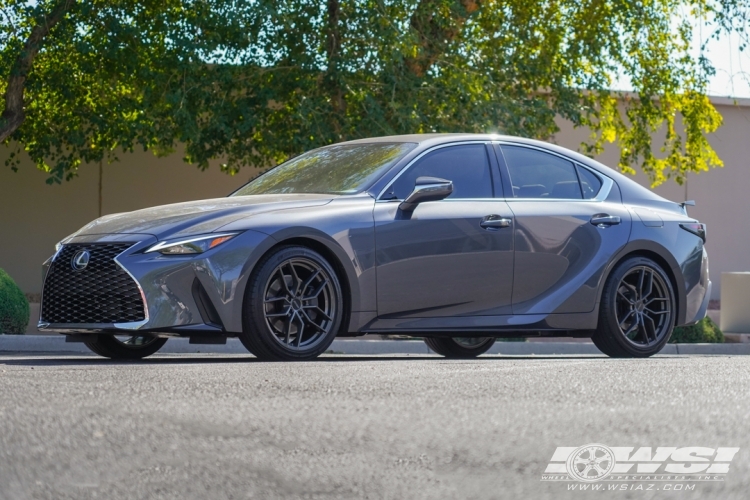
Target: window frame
601	195
492	162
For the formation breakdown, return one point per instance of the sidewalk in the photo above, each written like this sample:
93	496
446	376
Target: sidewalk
55	344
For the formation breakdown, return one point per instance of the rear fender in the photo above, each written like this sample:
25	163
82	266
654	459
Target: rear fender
657	252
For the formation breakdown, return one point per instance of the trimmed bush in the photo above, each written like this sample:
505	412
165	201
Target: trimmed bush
14	308
704	331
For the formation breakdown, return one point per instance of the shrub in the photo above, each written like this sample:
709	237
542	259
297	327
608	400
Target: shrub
704	331
14	308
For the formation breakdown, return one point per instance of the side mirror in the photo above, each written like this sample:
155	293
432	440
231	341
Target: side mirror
427	189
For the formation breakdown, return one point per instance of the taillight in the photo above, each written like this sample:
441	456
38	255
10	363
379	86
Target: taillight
696	228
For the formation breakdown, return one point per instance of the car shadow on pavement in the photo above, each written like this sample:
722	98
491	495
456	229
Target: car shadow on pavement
30	359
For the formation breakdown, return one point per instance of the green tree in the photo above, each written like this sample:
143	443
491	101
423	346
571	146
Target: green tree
254	82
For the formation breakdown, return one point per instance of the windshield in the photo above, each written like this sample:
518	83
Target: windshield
338	169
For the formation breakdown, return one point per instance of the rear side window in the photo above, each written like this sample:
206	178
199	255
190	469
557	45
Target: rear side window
535	174
466	165
590	183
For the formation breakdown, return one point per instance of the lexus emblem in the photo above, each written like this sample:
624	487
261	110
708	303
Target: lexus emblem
81	260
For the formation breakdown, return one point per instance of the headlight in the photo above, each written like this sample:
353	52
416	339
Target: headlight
193	245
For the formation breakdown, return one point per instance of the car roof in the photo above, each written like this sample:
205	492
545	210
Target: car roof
429	140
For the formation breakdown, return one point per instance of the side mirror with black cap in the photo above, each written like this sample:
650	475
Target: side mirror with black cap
427	189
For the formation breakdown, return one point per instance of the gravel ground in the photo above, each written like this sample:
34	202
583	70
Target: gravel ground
209	426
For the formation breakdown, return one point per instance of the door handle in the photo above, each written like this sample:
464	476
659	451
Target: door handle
494	222
605	220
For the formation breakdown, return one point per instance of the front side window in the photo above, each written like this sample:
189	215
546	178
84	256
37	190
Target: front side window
466	165
536	174
337	169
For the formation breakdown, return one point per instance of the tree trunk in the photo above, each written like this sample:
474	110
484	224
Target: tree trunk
13	114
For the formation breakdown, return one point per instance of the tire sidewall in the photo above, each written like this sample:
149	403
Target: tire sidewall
110	347
473	351
448	347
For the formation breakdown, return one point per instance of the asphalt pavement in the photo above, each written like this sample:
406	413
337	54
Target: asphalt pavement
184	426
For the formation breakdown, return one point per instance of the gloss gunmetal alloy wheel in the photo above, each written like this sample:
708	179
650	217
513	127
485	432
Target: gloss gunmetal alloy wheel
298	303
294	306
135	341
459	347
644	306
471	342
125	346
637	310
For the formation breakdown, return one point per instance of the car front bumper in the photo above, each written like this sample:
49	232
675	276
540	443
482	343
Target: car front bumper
189	294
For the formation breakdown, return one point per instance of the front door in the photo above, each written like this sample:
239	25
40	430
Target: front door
445	260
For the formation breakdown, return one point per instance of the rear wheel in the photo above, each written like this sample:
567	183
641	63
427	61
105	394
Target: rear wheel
125	346
459	347
293	306
637	311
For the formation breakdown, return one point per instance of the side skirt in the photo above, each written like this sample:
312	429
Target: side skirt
521	325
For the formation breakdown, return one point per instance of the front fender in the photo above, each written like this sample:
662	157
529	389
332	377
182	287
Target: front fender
344	231
167	281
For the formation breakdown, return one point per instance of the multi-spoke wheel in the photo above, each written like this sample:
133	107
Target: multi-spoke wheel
293	306
637	311
459	347
125	346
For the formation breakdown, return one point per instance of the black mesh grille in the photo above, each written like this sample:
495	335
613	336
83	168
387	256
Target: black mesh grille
101	292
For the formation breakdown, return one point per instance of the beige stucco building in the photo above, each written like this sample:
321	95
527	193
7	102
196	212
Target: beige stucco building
36	215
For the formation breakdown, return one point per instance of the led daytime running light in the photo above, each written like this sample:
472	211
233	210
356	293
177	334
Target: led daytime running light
189	244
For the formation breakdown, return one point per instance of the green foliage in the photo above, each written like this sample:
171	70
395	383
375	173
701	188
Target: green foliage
253	82
14	308
704	331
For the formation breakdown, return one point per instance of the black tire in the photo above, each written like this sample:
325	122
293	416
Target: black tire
452	347
136	347
293	306
637	311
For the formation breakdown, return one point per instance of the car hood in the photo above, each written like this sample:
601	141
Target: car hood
195	217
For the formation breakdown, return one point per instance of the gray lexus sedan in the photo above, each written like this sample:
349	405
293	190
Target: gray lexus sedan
457	238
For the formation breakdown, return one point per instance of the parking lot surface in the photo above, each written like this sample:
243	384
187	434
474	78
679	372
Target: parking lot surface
400	427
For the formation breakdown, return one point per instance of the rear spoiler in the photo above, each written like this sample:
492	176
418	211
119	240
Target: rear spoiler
685	204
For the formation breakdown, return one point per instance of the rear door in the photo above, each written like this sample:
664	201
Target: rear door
444	259
565	231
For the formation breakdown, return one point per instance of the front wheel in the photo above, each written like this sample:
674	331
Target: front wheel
125	347
637	310
459	347
293	306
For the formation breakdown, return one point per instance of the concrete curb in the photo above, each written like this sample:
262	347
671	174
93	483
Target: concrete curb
55	344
